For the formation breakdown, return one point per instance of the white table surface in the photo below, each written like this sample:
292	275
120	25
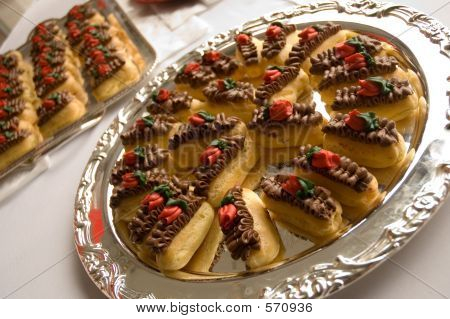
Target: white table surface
36	236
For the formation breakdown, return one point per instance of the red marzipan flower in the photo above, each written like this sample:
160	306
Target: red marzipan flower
308	33
90	41
280	110
271	75
3	103
46	70
48	103
103	69
292	185
129	180
3	114
355	122
196	120
3	70
343	50
220	85
2	139
355	61
227	214
212	56
36	39
129	158
368	88
191	67
163	95
75	33
210	155
242	38
140	124
170	213
72	24
49	80
273	31
153	200
90	28
325	159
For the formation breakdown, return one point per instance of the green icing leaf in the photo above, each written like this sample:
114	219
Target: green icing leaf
369	59
307	188
276	67
371	121
317	27
141	176
229	199
229	84
154	95
354	42
163	190
311	152
8	109
177	202
8	90
220	144
385	86
266	112
139	151
208	117
8	134
148	120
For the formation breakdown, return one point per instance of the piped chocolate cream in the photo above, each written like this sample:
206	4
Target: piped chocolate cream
11	89
48	79
317	203
275	79
247	48
228	91
146	127
371	92
9	125
168	102
211	126
372	130
167	227
237	225
9	138
195	75
340	168
141	158
275	39
309	39
221	64
215	160
267	119
11	108
51	105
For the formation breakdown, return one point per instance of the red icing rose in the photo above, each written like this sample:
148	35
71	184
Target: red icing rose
325	159
227	214
36	39
210	155
75	33
355	122
90	41
355	61
307	34
103	69
271	75
49	80
273	31
368	88
292	185
130	158
48	103
243	39
280	110
153	200
129	180
3	114
170	213
46	70
196	120
3	70
212	56
220	85
3	103
163	95
343	50
191	67
3	139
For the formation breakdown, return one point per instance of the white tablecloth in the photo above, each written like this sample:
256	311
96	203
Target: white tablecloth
36	236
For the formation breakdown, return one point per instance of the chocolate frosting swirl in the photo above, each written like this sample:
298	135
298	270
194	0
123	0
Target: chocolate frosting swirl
154	178
385	135
304	114
43	88
303	49
162	125
321	205
205	174
349	98
53	58
9	60
16	136
14	89
177	101
197	78
266	90
327	59
55	45
249	51
224	66
46	30
348	172
61	100
272	46
114	62
9	125
243	91
340	74
162	234
242	238
217	127
153	156
13	107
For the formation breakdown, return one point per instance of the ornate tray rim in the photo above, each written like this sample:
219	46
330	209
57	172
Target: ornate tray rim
321	279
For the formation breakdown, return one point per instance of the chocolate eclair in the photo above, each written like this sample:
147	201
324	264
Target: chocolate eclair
233	98
224	163
285	124
177	104
351	184
193	77
248	53
221	64
282	83
279	38
306	209
367	139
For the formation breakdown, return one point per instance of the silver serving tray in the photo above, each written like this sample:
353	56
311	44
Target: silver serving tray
95	109
410	203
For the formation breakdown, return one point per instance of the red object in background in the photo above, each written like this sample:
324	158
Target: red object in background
97	227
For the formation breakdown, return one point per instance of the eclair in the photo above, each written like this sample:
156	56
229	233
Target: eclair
174	103
278	42
193	77
248	54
